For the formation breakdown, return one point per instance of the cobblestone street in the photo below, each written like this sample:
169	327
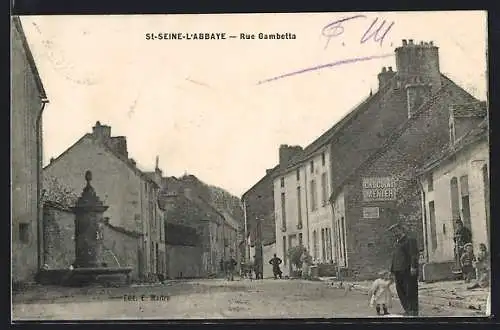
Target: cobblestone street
206	299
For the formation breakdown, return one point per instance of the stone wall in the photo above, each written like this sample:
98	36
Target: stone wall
368	243
58	236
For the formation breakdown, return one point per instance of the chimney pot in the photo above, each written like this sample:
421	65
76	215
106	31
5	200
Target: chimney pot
411	41
404	42
384	69
421	43
431	43
390	69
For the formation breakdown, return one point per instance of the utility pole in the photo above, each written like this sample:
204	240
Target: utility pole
246	230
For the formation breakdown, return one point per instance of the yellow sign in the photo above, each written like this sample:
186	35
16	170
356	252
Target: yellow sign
379	189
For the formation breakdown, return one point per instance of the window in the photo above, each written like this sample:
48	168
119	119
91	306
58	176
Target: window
444	229
430	183
464	191
323	245
300	239
24	232
324	189
284	250
299	208
323	159
282	182
432	220
312	166
297	174
313	196
315	244
328	234
342	240
283	211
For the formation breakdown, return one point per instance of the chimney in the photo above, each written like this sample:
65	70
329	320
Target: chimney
101	132
132	161
286	153
404	42
420	60
51	160
119	145
416	93
384	77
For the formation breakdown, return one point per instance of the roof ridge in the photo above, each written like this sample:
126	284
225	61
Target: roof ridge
395	134
342	122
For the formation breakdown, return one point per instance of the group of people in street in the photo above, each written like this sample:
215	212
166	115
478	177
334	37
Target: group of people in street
472	266
405	268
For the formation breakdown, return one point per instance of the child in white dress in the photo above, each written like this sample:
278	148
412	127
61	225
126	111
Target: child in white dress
380	293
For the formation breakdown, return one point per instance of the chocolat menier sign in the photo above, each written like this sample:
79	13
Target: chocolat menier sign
379	189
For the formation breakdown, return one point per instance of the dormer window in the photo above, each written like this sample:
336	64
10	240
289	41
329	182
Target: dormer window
452	133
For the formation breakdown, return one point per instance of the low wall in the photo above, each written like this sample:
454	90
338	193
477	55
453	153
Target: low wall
121	250
438	271
58	236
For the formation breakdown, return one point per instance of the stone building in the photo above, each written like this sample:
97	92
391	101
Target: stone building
132	197
455	185
199	235
373	190
258	202
28	100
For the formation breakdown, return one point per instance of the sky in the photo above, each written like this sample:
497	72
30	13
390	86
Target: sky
211	108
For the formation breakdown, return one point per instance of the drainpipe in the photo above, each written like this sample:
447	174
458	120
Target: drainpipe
39	182
424	216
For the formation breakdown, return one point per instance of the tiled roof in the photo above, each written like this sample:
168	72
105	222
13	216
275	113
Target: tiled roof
477	133
269	174
338	128
474	109
393	138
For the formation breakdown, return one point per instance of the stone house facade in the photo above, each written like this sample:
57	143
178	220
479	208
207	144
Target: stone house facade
132	195
384	189
258	202
455	185
28	100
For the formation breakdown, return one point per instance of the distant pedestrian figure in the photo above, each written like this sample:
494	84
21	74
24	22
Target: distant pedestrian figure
306	264
467	261
276	262
230	266
404	267
380	293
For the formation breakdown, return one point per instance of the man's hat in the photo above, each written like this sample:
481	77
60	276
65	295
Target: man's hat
468	244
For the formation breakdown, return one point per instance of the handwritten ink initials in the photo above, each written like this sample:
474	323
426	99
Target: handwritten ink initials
375	34
335	28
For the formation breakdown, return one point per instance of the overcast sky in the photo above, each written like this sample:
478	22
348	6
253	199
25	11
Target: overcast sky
197	103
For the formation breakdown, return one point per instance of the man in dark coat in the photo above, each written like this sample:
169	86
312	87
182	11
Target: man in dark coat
276	262
230	267
404	267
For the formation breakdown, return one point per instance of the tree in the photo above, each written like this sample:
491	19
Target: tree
295	255
56	192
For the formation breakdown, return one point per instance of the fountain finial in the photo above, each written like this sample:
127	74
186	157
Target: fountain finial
88	177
